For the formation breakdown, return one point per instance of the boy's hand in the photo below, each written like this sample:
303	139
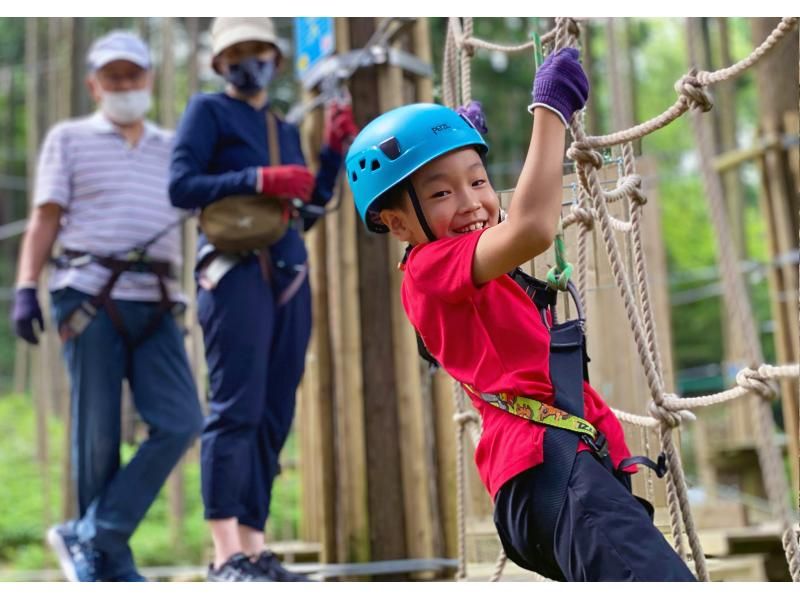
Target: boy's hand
285	182
560	84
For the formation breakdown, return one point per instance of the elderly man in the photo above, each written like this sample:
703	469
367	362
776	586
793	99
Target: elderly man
101	190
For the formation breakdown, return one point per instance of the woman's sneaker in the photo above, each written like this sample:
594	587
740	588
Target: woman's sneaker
79	560
269	564
236	568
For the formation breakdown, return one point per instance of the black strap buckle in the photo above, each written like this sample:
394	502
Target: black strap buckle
599	444
660	467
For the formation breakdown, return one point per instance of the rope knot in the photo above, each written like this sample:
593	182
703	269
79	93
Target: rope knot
583	215
467	46
580	151
636	194
755	381
664	415
573	28
692	90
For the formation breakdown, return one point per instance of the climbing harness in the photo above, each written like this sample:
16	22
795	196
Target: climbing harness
134	260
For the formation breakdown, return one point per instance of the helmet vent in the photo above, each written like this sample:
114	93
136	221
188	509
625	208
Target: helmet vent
468	121
390	148
354	176
375	165
362	163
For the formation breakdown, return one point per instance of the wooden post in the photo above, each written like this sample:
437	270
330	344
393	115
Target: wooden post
411	411
21	348
589	64
41	402
79	100
776	78
316	427
738	415
381	381
194	338
53	387
166	89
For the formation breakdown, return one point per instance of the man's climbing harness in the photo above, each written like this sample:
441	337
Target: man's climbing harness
667	411
134	260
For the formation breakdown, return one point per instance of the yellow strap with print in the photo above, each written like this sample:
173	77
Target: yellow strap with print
536	411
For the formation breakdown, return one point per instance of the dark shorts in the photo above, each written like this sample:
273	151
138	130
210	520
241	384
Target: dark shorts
603	532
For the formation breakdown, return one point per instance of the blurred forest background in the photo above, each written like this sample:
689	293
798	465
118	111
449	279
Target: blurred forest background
653	55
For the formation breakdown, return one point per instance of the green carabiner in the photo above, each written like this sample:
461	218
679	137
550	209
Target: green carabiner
537	51
558	276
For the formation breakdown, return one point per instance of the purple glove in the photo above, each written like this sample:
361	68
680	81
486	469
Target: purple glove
26	312
561	84
473	112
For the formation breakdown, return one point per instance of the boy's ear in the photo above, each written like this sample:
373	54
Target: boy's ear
397	223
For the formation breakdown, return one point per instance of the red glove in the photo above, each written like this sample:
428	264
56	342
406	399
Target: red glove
285	182
340	127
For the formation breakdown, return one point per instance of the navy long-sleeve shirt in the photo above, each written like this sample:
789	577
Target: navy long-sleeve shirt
219	146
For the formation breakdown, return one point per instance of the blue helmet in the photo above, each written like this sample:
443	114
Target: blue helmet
399	142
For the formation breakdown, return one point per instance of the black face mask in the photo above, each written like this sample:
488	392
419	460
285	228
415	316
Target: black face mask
250	75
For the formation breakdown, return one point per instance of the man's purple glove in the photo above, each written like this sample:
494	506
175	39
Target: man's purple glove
26	312
560	84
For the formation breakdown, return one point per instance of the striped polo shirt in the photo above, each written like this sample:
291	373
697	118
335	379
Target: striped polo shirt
114	198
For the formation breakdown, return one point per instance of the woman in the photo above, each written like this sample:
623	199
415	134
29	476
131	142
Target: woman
254	308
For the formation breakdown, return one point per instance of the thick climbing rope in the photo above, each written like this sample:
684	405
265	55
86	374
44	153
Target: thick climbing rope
738	305
667	410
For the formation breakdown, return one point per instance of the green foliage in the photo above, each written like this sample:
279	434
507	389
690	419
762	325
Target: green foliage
22	483
24	508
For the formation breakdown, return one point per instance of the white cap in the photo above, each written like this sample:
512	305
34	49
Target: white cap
118	45
227	31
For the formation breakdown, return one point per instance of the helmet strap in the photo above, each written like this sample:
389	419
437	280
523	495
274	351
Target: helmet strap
418	210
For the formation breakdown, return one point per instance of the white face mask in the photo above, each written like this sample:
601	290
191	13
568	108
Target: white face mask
126	107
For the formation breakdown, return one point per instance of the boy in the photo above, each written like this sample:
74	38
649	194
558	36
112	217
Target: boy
418	172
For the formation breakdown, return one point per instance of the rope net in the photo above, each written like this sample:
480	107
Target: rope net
666	410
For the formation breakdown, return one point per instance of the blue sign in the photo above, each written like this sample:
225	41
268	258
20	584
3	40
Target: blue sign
313	41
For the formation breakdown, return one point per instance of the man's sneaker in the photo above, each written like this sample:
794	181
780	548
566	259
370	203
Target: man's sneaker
236	568
79	560
269	564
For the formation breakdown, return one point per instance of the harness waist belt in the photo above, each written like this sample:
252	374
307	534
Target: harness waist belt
76	258
536	411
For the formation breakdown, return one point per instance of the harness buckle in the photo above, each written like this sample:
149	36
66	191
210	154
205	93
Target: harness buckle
599	445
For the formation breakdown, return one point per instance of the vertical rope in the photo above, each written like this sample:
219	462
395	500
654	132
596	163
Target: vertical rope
586	225
463	418
790	541
739	309
562	33
450	67
466	53
673	502
679	497
499	566
461	573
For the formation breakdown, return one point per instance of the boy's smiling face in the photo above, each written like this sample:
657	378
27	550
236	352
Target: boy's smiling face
455	195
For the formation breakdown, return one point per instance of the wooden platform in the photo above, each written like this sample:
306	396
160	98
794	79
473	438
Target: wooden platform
751	553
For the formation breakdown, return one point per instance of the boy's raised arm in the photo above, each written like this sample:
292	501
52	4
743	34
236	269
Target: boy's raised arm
559	89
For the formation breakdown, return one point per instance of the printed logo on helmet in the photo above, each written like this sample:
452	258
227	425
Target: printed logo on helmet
442	127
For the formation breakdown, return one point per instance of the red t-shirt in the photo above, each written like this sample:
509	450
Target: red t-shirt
492	338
